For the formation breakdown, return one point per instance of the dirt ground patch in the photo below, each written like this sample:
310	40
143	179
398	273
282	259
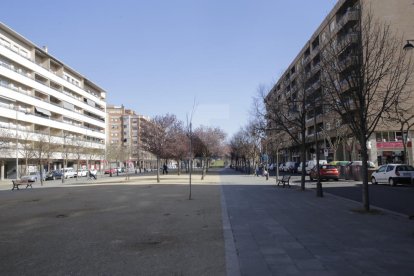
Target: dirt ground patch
112	230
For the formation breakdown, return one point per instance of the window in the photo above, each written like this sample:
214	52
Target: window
390	168
332	26
5	42
382	169
23	53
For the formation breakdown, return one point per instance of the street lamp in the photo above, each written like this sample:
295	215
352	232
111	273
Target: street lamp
409	45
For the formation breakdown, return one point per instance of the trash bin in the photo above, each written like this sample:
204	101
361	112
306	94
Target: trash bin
348	172
342	172
356	172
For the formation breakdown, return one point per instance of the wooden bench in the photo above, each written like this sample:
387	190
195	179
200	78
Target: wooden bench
284	180
17	182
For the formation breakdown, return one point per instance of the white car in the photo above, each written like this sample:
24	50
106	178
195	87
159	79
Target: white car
393	174
69	172
312	163
32	177
82	173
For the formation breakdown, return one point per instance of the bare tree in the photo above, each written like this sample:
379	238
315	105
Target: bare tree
402	114
5	140
209	143
26	149
180	148
50	150
40	149
334	133
286	110
364	71
157	138
79	151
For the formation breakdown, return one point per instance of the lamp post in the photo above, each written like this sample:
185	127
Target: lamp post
17	146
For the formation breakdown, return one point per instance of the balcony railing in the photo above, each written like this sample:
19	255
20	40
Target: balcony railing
48	69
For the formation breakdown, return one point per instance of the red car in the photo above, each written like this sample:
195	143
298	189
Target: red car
325	172
109	171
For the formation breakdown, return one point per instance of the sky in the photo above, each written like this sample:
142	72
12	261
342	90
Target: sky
170	56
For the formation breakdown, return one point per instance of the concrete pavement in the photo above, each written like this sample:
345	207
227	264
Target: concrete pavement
235	225
285	231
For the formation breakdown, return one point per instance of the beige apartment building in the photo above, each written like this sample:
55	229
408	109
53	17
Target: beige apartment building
46	104
124	146
385	145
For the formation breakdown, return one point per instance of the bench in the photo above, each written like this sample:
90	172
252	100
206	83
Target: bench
16	183
284	180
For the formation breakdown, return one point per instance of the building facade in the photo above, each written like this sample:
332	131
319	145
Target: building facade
341	25
50	115
124	147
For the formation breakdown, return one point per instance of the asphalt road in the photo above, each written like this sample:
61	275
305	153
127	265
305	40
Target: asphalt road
397	199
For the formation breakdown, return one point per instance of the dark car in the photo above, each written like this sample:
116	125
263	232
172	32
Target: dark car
325	172
52	175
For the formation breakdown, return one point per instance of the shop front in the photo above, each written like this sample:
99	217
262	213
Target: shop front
392	152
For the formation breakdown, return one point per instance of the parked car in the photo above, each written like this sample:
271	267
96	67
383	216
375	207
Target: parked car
31	177
325	172
110	171
299	169
359	163
52	175
393	174
281	167
121	169
82	173
289	166
69	172
312	163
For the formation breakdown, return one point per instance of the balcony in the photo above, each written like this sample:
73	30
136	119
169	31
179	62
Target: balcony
350	16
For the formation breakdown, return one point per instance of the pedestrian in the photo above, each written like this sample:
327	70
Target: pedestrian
266	173
92	174
165	169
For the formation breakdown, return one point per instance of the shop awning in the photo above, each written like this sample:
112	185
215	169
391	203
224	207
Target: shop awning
43	111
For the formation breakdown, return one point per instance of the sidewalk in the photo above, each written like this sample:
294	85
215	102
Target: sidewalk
285	231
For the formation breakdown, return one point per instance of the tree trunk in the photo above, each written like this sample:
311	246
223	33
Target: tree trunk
203	168
365	189
158	169
303	158
41	173
179	166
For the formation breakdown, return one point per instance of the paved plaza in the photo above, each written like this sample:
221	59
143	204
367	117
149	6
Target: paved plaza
235	224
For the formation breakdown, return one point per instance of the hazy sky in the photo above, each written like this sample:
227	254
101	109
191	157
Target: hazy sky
158	56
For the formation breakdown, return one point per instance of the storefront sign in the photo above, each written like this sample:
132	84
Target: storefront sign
389	145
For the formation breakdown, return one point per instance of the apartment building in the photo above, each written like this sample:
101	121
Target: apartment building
124	146
44	101
341	25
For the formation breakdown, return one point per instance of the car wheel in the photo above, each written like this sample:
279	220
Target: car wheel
392	182
336	179
374	181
